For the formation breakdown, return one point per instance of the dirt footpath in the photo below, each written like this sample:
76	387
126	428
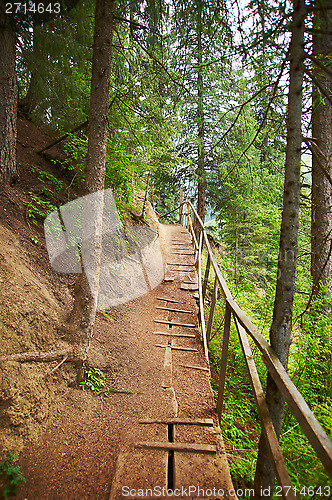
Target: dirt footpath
77	455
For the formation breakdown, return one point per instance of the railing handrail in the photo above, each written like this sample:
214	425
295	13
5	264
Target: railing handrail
305	417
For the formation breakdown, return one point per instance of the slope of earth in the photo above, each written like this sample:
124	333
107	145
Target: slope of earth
33	298
34	304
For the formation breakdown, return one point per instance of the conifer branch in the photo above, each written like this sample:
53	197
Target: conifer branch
275	87
316	151
163	67
317	62
238	115
318	85
135	24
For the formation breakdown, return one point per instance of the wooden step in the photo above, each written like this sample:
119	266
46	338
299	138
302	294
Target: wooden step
190	288
170	300
174	310
175	323
133	470
185	335
185	447
180	421
180	264
192	367
189	349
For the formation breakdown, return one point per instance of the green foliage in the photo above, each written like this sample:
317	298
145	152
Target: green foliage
95	380
120	169
44	176
249	203
60	85
76	149
243	458
11	475
303	466
106	315
312	351
38	209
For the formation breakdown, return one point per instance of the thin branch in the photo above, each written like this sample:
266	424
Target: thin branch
133	23
134	110
318	63
137	25
263	121
57	366
310	142
203	65
314	290
76	129
238	115
312	8
163	67
131	129
318	85
318	31
122	47
81	126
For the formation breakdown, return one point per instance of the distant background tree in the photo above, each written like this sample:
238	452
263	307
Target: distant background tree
199	57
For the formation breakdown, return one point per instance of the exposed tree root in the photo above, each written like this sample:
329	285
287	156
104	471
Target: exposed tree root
24	357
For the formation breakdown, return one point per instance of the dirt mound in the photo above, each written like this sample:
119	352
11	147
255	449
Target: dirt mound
33	298
29	321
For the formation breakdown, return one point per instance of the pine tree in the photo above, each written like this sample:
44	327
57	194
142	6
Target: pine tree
200	34
86	294
281	328
8	100
321	215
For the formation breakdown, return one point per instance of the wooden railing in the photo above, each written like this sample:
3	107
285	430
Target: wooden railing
305	417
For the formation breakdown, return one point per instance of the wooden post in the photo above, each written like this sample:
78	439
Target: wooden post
197	229
223	364
212	309
206	277
197	252
181	204
195	240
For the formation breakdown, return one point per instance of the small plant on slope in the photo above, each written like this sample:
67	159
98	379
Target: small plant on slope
11	475
95	380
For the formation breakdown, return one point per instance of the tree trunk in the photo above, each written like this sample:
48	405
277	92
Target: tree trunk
86	290
281	328
8	101
200	118
321	214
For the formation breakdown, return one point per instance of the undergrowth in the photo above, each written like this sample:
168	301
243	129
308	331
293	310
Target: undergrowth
310	368
96	381
10	475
